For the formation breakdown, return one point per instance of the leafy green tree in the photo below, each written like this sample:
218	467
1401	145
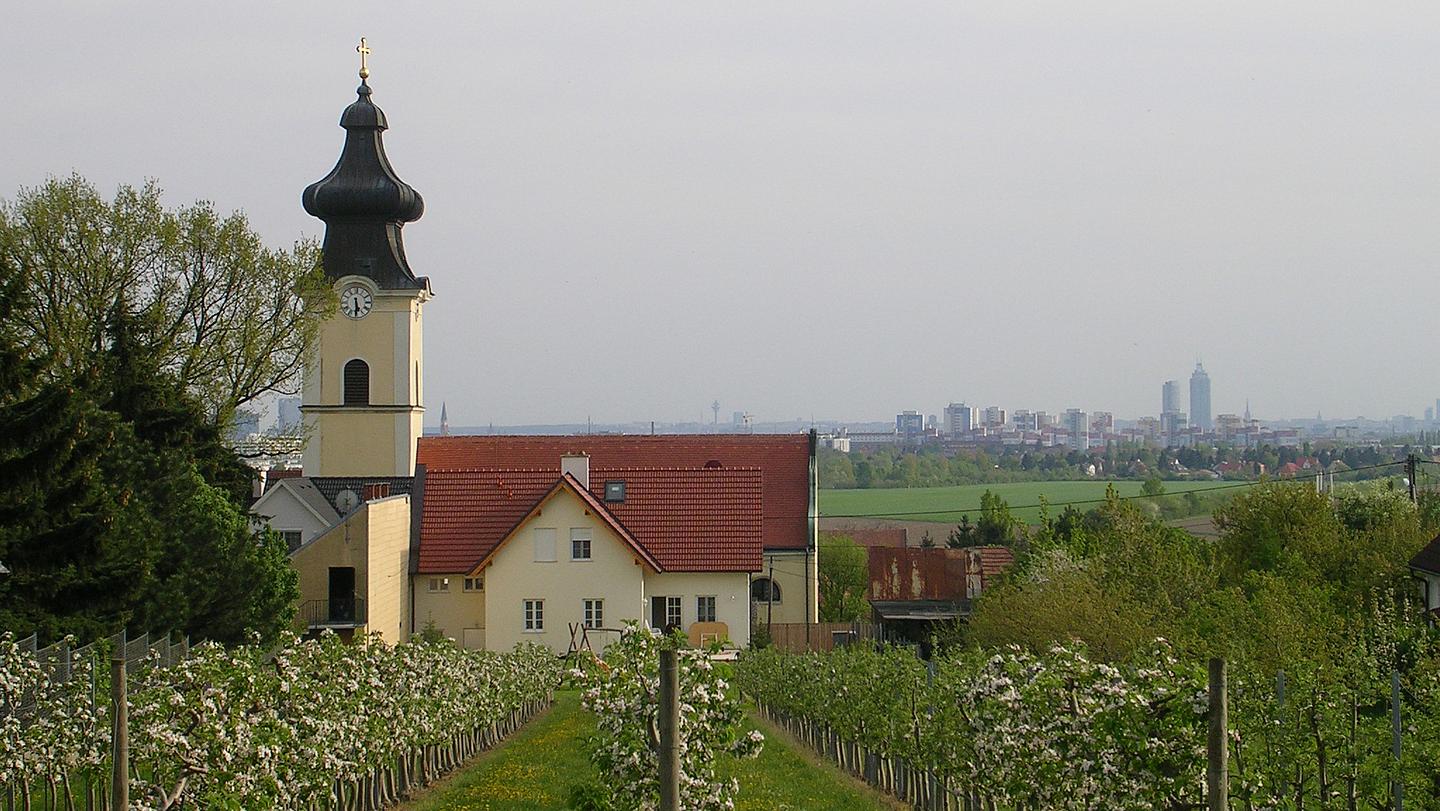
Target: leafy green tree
217	309
844	577
997	527
1153	487
1113	578
122	507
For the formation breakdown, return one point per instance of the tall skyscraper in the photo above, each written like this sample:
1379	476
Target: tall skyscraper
1200	398
1170	397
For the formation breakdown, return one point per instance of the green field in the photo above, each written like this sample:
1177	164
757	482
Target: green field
947	504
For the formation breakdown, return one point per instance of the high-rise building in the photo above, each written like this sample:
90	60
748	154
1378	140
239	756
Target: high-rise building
993	417
1172	429
1102	422
1200	398
959	419
1077	423
1023	420
910	423
1170	396
287	414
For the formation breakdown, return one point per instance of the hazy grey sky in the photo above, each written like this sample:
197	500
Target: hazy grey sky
826	209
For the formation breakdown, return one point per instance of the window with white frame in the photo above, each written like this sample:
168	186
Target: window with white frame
672	612
594	613
292	537
534	615
474	584
580	543
544	544
705	608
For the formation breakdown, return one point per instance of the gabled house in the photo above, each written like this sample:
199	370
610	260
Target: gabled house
786	581
1426	568
296	509
511	555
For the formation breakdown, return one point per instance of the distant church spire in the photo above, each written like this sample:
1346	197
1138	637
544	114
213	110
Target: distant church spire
363	202
444	420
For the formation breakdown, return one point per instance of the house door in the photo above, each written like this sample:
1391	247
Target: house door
665	613
342	594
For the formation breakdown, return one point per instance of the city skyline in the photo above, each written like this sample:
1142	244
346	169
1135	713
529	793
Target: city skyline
814	208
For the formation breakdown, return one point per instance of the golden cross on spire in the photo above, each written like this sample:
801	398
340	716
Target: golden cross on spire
364	51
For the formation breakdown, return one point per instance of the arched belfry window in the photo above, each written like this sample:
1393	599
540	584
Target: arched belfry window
764	590
357	383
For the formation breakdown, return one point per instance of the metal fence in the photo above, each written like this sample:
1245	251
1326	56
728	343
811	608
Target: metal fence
57	660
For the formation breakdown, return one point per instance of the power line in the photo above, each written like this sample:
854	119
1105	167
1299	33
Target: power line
1047	504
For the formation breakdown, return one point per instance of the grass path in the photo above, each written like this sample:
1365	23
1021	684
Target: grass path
535	768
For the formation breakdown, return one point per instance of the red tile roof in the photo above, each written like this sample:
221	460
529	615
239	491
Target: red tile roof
695	520
570	484
784	459
465	512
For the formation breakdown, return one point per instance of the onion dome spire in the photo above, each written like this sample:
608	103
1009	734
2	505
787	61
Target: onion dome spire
363	202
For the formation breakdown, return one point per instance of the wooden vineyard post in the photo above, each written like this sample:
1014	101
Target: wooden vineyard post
1217	768
669	723
1398	786
120	740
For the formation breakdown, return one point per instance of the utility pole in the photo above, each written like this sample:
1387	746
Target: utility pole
770	597
1410	464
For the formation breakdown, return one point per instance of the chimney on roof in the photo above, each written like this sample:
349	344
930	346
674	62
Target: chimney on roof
376	490
577	465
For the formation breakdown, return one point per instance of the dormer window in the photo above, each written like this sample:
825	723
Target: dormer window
357	383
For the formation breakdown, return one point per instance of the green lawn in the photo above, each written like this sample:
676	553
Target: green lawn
948	503
535	769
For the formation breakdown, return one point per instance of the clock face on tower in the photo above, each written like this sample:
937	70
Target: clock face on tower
355	301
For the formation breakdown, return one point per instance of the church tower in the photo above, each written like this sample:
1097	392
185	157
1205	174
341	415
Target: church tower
362	393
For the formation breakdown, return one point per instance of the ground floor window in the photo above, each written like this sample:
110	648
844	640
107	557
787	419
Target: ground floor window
594	613
705	609
534	615
764	590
